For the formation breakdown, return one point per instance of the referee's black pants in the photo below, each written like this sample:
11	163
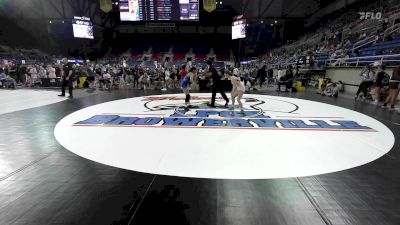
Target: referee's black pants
67	83
215	89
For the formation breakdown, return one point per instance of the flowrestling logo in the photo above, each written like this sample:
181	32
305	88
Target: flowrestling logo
370	15
199	115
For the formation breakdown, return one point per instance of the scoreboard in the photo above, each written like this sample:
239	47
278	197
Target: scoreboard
82	27
159	10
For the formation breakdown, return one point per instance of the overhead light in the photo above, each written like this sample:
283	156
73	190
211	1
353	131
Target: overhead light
276	21
116	3
272	24
50	21
220	2
262	21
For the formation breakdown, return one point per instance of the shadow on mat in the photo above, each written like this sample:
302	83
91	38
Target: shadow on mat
158	207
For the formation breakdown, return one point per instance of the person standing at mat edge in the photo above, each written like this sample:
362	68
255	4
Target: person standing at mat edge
67	78
216	85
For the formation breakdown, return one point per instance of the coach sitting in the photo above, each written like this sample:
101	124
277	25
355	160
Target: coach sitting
286	79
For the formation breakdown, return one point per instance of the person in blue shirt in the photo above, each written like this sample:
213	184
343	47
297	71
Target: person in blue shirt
186	82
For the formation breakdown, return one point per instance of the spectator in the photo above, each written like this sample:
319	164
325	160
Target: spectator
167	78
262	74
7	81
280	73
367	81
382	79
183	72
144	81
385	24
394	89
42	72
106	79
289	78
331	90
34	75
136	76
51	71
348	45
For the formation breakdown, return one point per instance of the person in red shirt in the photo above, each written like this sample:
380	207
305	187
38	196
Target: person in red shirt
183	72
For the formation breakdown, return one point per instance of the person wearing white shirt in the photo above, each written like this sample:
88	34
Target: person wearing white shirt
367	76
167	79
238	89
105	80
144	81
34	74
107	76
280	74
52	72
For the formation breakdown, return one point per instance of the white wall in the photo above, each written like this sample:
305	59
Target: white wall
349	76
346	75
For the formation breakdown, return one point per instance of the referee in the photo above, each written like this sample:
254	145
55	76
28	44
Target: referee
216	85
67	78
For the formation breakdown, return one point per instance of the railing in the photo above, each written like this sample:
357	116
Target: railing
392	29
281	65
393	9
303	62
371	29
364	24
394	13
372	39
364	42
362	61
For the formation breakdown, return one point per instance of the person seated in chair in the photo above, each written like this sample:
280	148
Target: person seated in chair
158	81
323	86
289	78
7	81
105	80
367	76
331	90
286	80
144	81
282	81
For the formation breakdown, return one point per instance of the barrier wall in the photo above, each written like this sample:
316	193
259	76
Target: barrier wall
349	76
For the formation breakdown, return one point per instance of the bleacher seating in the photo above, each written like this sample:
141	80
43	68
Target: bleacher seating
343	35
159	49
385	47
180	50
134	63
138	50
321	58
149	64
201	51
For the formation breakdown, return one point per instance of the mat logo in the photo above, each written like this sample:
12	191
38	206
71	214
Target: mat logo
370	15
200	116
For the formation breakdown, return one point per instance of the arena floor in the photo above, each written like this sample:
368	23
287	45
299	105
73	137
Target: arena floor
44	183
